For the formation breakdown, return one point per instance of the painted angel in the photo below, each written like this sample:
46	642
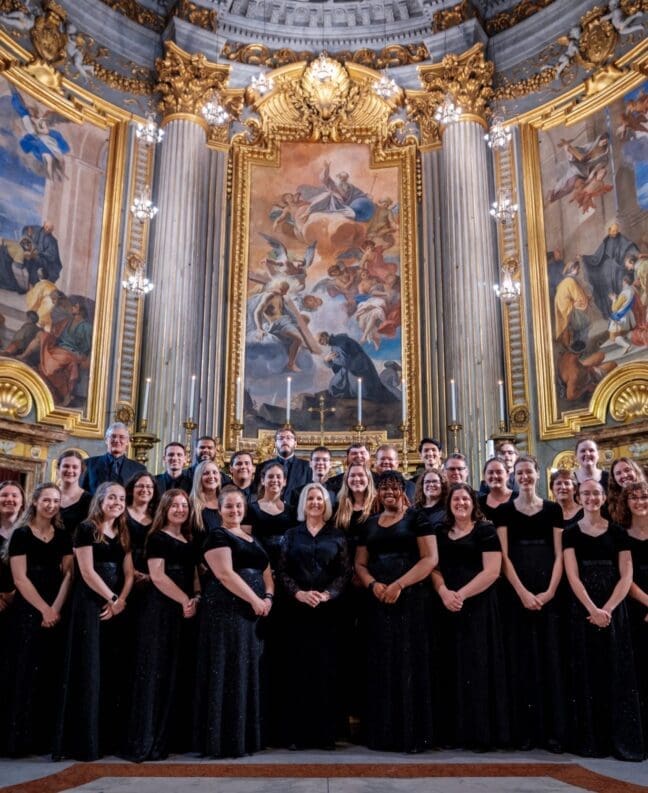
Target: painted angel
279	263
41	141
622	24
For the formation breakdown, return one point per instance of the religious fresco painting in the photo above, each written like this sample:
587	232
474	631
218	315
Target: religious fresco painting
52	187
323	291
594	176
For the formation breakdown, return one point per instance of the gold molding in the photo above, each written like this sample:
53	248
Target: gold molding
298	110
15	400
507	19
137	13
630	402
186	80
201	17
451	17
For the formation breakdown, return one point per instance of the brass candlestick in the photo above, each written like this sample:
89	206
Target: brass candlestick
237	429
454	429
403	431
359	428
189	425
142	441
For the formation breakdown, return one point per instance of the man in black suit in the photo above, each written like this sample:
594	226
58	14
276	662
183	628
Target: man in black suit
296	470
242	473
387	460
113	466
174	474
205	451
320	465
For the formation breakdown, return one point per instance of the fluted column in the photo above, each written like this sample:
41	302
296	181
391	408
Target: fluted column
176	341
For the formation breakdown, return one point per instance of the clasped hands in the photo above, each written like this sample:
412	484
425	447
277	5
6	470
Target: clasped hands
311	597
600	618
112	609
386	593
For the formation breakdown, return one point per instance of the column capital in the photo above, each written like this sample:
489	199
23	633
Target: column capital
468	77
186	81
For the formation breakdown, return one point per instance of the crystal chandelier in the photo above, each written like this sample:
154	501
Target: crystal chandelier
323	68
262	83
504	210
386	87
149	133
214	113
499	135
508	289
447	112
143	208
137	283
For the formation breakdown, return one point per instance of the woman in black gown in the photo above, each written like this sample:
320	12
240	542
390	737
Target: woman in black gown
12	503
495	475
395	556
430	494
472	680
204	498
605	715
269	516
142	498
75	501
238	591
314	570
633	508
564	488
93	715
530	531
41	566
163	686
623	471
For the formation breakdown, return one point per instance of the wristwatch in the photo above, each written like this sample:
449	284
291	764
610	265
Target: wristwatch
114	598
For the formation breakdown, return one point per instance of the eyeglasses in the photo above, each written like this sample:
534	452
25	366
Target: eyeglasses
639	497
453	468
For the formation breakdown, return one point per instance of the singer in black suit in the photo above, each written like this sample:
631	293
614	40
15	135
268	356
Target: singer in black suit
113	466
297	471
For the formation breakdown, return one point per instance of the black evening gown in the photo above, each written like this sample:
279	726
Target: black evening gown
228	696
604	712
270	529
311	649
435	514
398	663
6	587
489	512
75	513
472	677
162	684
533	640
34	653
93	714
638	624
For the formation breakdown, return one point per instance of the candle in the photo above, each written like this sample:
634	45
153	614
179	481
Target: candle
502	402
288	387
359	400
239	400
453	402
147	390
192	396
404	401
490	448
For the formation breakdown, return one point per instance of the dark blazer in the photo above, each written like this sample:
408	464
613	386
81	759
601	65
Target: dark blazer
98	471
164	482
300	474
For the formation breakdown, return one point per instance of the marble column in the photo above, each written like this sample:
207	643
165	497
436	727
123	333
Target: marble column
174	332
471	323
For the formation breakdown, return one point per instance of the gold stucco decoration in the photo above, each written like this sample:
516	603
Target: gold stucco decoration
630	402
196	15
186	81
455	15
15	401
138	13
597	40
506	19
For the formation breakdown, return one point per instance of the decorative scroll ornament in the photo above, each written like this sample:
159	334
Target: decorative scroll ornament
186	82
506	19
630	402
138	13
453	16
47	35
15	401
597	40
196	15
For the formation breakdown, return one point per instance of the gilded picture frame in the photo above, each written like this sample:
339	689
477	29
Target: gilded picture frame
76	157
348	167
586	199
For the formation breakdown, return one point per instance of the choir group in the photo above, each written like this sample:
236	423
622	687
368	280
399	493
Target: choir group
279	604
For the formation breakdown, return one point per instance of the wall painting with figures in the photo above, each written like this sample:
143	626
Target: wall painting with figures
324	299
57	216
588	217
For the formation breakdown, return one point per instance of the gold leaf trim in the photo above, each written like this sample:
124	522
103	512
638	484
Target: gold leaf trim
15	401
630	402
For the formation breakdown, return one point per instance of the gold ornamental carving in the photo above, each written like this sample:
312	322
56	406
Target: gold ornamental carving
196	15
520	417
453	16
597	40
506	19
47	35
138	13
15	401
124	412
630	402
187	81
120	82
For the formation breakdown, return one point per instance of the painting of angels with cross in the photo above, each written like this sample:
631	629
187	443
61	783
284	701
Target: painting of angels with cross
324	291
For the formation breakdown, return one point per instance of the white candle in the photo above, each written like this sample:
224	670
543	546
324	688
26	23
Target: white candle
359	400
239	400
288	387
490	448
192	396
453	402
502	402
147	390
404	400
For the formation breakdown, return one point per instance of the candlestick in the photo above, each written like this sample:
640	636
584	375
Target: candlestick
145	401
288	390
502	402
404	401
239	400
359	401
455	428
143	441
453	402
189	426
192	396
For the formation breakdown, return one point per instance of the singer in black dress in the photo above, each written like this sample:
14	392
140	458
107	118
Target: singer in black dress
313	572
162	681
238	591
93	715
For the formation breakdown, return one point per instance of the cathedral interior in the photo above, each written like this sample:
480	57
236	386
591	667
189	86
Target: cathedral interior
384	219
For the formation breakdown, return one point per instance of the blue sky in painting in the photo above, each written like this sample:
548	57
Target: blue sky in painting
636	151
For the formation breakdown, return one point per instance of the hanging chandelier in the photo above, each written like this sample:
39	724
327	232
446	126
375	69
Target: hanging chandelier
149	133
447	112
508	289
503	210
499	135
143	208
386	87
262	83
214	113
323	68
137	283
